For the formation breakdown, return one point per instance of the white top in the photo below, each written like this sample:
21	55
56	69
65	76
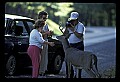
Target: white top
45	29
36	38
80	28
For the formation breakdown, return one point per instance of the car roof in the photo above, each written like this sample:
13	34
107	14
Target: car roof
10	16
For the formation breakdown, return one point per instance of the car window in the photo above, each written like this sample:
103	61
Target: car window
7	26
20	23
30	24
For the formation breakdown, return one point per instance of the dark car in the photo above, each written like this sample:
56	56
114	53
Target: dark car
17	31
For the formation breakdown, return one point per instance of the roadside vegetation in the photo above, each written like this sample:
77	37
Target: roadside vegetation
91	14
109	73
54	27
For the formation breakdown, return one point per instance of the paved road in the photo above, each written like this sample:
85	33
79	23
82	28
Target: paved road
95	35
101	41
106	53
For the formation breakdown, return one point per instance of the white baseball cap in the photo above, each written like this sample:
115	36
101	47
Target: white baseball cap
74	16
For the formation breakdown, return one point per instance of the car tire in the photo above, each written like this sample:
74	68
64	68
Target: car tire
56	64
11	65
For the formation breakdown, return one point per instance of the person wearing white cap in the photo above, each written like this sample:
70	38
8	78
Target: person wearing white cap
75	31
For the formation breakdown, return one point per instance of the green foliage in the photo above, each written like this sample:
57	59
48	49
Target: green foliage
63	8
92	14
54	27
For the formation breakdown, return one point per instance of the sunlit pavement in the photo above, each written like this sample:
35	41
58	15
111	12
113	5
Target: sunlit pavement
98	34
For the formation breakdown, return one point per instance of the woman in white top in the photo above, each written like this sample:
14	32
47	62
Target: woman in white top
36	42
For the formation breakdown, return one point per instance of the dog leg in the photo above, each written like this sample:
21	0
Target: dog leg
66	69
96	72
95	66
69	68
78	72
72	72
90	73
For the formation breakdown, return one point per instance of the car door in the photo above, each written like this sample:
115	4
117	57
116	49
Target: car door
22	37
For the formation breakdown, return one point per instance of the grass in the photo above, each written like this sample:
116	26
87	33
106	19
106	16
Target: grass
109	73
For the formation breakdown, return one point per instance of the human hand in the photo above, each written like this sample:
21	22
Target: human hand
51	43
49	33
71	28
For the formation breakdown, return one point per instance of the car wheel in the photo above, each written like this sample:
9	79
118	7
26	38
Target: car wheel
11	65
56	64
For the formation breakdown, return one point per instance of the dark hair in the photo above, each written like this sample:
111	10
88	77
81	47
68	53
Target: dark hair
41	14
39	23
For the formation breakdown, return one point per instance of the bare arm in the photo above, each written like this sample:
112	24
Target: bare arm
79	35
66	33
49	43
47	33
